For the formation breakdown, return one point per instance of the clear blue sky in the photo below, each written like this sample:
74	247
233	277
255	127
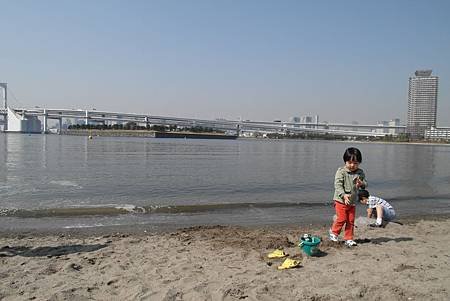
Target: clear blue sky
261	60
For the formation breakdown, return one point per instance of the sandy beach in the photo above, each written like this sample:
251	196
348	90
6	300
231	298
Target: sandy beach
399	262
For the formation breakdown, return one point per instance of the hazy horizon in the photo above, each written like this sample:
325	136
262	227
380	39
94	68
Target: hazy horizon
260	60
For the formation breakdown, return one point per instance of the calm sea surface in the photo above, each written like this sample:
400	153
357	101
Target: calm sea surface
51	181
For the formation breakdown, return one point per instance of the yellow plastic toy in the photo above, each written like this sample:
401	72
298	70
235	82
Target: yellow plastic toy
289	264
277	254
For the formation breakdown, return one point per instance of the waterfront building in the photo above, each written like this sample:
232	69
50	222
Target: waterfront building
385	124
316	121
437	134
422	103
382	124
306	119
312	122
294	119
394	122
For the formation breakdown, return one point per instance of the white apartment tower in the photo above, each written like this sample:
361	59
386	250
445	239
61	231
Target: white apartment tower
422	103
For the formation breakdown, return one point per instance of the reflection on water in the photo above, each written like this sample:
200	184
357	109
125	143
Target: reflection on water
50	171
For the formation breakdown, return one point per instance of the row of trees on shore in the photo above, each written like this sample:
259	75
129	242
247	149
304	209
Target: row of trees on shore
327	136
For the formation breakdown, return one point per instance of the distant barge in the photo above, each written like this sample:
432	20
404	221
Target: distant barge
148	134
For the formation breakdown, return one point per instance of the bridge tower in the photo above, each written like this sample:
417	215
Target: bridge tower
4	93
4	87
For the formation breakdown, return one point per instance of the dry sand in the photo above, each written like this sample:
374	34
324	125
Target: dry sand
409	262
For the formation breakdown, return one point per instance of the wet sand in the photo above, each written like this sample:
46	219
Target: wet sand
399	262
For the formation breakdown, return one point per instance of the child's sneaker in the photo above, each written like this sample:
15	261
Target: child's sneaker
350	243
332	236
375	225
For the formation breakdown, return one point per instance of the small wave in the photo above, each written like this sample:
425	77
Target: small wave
96	225
63	212
82	226
224	206
131	208
7	212
65	183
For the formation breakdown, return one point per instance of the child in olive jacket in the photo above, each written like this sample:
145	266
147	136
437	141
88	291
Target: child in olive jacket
347	181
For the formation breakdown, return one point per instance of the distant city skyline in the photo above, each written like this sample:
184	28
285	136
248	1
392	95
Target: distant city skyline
258	60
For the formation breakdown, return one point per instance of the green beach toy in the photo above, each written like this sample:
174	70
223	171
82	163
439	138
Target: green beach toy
309	244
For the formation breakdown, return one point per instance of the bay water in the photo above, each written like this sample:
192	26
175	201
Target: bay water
60	182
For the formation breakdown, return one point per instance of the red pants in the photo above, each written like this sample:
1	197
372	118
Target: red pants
345	214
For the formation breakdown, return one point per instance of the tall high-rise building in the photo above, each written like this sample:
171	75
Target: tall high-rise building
422	103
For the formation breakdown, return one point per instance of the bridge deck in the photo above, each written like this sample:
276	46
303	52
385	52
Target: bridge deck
267	126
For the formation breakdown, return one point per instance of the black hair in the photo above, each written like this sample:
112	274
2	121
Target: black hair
352	154
363	194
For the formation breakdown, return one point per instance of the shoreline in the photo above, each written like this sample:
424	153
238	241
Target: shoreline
148	229
149	134
408	262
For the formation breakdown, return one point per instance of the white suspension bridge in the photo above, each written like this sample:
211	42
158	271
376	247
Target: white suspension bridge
35	120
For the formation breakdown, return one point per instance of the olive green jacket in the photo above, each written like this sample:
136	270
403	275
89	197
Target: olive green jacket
344	183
